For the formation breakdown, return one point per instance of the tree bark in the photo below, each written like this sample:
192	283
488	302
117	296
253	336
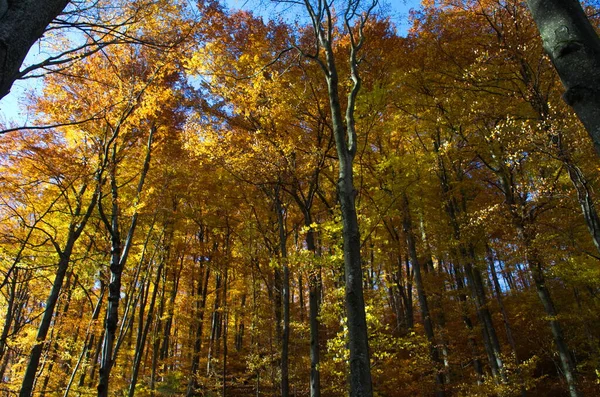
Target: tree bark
22	23
574	48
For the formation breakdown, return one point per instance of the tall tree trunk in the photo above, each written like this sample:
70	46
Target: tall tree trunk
490	338
80	219
36	351
119	254
144	329
460	287
505	319
200	309
423	302
216	319
523	220
88	342
564	353
285	295
467	257
344	132
9	316
313	315
225	318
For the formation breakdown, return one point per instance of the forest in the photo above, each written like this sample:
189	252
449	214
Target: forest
206	201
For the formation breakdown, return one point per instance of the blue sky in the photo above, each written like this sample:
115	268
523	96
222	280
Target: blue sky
398	9
13	110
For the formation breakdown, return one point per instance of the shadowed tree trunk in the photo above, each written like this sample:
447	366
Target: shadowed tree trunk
423	302
80	219
119	254
22	23
344	132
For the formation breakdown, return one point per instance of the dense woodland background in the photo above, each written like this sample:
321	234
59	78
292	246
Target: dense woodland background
185	153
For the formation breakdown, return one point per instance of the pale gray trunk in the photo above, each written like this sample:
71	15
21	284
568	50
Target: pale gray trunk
574	47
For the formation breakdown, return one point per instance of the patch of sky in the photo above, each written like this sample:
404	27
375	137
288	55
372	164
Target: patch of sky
13	107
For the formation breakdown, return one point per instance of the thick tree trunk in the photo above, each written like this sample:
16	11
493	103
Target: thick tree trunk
574	48
112	310
22	23
360	369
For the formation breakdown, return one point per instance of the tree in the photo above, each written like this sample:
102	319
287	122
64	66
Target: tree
574	47
323	21
22	23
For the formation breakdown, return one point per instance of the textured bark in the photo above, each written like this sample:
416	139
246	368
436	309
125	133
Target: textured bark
22	23
574	48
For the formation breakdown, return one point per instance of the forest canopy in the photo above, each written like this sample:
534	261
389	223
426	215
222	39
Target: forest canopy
209	202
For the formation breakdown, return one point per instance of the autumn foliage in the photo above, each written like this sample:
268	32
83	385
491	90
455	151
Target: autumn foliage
190	173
